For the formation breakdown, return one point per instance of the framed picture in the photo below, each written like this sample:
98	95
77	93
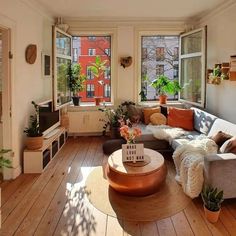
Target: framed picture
46	65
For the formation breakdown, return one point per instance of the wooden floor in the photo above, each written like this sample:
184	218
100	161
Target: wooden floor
52	203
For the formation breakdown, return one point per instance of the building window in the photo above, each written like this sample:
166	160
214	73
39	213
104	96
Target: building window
107	91
90	48
91	51
159	70
89	74
91	38
176	72
90	90
157	58
108	51
75	54
107	73
176	53
160	54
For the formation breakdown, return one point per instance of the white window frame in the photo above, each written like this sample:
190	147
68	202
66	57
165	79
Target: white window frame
202	54
91	51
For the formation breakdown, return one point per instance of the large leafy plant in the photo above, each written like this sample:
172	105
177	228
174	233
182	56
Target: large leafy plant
98	67
33	130
163	85
76	78
3	161
212	198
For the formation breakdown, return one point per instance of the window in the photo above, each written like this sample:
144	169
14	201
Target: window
75	54
90	90
89	73
157	58
160	54
107	90
192	67
91	51
176	53
89	48
107	51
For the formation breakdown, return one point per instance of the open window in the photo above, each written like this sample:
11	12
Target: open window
192	67
62	58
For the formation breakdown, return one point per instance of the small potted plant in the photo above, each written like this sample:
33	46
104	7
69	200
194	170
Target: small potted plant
98	68
163	85
212	199
76	82
3	161
34	135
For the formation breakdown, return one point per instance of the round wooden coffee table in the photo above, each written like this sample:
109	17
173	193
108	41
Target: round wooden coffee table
136	179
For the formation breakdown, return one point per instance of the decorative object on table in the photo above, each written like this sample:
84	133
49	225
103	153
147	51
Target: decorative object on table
3	161
126	61
76	81
212	199
31	53
97	69
225	71
232	70
34	135
214	77
163	86
113	117
131	152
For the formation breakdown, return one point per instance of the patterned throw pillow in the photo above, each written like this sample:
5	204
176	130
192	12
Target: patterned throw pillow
158	119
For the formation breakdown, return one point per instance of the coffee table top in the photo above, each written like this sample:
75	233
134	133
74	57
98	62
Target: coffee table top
155	163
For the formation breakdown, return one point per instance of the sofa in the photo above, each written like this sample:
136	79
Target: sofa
219	169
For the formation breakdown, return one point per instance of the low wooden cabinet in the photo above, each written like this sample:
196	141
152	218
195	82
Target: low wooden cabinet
35	161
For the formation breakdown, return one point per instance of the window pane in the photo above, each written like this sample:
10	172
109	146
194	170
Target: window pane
191	72
63	44
158	57
63	92
192	43
88	48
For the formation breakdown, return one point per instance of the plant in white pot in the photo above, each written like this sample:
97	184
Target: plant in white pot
76	82
212	199
34	138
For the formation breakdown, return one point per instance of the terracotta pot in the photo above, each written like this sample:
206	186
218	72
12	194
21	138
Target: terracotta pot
33	143
162	99
211	216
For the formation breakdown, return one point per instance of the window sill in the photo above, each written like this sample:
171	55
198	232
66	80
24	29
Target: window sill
156	103
90	106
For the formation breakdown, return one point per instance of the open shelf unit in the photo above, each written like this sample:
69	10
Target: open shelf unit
35	161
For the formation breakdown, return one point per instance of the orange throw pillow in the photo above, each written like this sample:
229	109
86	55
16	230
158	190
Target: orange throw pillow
147	112
181	118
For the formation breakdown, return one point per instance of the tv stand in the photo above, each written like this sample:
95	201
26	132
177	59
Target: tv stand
52	133
35	161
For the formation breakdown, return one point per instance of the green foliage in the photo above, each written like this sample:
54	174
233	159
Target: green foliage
76	78
216	71
212	198
3	161
98	67
33	129
62	85
164	85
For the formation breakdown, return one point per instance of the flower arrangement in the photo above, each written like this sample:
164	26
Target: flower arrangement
130	134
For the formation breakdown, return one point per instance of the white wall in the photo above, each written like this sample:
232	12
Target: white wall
28	26
221	44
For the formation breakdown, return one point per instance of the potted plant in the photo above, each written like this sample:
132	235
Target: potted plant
163	86
212	199
76	82
98	68
34	135
3	161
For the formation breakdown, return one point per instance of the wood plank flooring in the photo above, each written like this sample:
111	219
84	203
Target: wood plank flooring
53	203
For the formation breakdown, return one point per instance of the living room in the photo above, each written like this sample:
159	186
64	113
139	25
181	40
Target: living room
27	22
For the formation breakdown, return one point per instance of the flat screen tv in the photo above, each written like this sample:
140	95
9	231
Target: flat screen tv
48	119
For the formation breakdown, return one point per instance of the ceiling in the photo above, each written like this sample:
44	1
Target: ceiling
129	8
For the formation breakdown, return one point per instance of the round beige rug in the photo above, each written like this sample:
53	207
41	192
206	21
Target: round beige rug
167	201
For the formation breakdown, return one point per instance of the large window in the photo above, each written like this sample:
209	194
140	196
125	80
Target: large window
89	48
192	67
158	57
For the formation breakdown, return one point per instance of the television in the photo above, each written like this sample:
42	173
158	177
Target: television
48	118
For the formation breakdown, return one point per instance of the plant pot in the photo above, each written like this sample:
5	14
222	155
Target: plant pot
115	132
98	100
76	100
211	216
162	99
33	143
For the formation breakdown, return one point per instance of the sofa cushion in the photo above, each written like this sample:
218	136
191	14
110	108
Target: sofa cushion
220	138
229	146
182	118
147	112
164	110
158	119
203	120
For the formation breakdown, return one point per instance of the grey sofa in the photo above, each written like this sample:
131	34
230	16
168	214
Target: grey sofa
219	170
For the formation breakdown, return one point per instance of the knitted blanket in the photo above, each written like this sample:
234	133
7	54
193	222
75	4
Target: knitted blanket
188	159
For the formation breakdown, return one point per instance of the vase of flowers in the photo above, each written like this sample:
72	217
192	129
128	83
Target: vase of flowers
130	134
